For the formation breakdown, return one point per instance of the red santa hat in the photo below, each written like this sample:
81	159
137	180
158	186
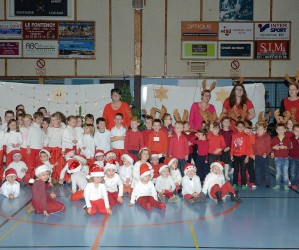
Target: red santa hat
189	167
43	168
109	154
144	170
95	172
10	171
110	166
130	157
220	164
155	155
164	166
46	152
80	158
99	152
145	148
170	160
73	166
69	155
16	152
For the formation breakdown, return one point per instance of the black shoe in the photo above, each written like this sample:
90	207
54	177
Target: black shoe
234	197
202	197
219	197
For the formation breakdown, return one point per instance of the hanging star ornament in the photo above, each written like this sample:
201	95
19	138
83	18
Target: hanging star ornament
161	93
222	94
58	94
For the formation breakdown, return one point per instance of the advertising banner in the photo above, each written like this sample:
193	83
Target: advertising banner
272	50
233	50
199	31
272	31
41	8
43	30
76	31
10	48
236	31
10	30
76	49
40	49
193	50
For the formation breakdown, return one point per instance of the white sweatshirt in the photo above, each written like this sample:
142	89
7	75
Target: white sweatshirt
91	193
12	137
54	137
211	180
126	172
114	184
141	189
164	183
18	166
176	176
6	189
189	186
102	140
87	141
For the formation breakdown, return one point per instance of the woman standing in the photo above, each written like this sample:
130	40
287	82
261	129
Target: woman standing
236	103
197	108
291	103
116	106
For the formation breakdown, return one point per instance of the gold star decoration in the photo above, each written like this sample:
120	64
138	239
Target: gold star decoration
222	94
58	94
161	93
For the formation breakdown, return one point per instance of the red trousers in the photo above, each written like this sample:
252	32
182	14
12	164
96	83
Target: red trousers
53	206
9	157
33	159
77	195
97	206
168	194
58	159
24	155
144	200
113	198
227	187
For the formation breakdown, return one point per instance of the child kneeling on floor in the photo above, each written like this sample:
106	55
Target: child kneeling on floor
165	185
144	191
215	185
95	194
191	185
42	201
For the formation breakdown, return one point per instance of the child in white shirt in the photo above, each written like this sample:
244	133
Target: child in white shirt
69	136
79	126
95	194
86	142
10	188
118	134
191	184
27	120
99	158
175	173
125	171
144	191
165	185
113	185
216	186
102	136
19	166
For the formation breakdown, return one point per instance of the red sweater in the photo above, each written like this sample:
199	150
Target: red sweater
202	146
262	145
282	153
240	144
190	136
294	152
178	146
146	134
215	142
159	145
156	169
133	140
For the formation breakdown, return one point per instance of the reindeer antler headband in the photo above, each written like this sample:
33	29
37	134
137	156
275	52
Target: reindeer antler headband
204	85
295	79
241	81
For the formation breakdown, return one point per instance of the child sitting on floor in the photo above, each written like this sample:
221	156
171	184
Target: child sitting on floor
95	194
125	171
215	185
10	188
191	184
165	185
144	191
175	173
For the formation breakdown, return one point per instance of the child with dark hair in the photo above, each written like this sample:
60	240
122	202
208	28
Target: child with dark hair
102	136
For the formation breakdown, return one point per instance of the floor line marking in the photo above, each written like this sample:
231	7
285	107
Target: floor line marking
97	240
194	236
16	225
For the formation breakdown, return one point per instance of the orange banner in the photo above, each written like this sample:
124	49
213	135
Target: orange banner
199	31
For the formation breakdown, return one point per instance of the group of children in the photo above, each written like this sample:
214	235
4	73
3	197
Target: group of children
159	163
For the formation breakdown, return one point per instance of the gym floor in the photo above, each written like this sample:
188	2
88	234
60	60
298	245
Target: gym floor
266	219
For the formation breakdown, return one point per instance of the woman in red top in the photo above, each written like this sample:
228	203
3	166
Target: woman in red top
292	102
238	97
116	106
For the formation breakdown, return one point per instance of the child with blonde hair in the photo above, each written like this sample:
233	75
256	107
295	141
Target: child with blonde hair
10	188
86	142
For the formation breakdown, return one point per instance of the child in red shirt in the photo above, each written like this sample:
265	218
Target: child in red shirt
202	168
216	143
156	166
158	140
240	152
294	158
178	146
190	135
134	138
148	122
